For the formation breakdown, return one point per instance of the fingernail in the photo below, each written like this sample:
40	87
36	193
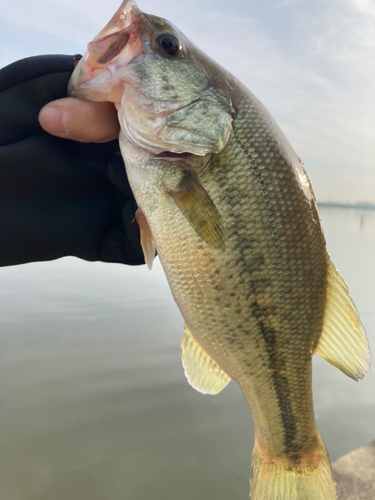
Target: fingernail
53	120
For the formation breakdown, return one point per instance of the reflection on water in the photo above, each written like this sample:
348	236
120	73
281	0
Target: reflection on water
94	404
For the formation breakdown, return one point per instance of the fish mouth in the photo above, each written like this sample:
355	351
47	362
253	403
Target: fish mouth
97	76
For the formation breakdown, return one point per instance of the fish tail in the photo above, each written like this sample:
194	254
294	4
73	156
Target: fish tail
278	478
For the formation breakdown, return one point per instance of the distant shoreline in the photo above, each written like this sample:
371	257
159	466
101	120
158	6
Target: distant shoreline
360	205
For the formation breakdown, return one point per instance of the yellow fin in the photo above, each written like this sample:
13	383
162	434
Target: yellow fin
343	341
279	478
147	240
200	369
198	208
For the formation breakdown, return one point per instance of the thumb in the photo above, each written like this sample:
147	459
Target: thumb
79	120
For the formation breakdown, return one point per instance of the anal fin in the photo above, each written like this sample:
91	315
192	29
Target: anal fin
202	372
343	341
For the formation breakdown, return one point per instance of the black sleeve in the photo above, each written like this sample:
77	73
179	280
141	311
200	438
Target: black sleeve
57	197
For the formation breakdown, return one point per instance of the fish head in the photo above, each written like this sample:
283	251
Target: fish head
166	98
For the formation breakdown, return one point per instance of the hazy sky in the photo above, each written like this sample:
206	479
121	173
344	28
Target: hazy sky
311	63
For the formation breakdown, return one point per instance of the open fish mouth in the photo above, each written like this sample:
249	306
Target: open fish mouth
98	74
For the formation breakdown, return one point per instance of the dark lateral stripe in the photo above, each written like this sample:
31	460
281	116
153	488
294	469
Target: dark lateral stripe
287	417
281	384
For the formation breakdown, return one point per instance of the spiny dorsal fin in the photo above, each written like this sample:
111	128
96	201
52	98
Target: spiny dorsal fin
147	240
200	369
343	341
198	208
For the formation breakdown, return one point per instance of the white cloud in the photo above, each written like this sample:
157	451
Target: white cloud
365	6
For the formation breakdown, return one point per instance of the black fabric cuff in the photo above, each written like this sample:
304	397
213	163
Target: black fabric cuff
32	67
56	195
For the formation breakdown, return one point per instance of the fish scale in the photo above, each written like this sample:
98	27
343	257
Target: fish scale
226	203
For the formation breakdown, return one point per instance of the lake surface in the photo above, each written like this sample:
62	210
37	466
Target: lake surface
94	404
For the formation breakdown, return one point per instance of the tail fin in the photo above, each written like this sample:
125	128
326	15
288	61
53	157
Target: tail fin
277	478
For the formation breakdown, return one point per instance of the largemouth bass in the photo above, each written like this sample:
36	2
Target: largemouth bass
227	205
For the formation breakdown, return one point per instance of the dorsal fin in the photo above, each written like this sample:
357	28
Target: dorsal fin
202	372
343	341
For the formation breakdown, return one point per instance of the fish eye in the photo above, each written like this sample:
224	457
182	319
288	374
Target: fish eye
167	44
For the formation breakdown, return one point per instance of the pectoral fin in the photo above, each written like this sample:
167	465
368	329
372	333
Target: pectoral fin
343	341
198	208
200	369
147	240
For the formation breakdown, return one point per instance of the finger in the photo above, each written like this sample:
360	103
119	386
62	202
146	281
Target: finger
79	120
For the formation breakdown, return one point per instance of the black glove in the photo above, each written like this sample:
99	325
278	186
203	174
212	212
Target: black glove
58	197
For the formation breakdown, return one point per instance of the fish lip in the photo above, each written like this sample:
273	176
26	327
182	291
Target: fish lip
83	79
111	69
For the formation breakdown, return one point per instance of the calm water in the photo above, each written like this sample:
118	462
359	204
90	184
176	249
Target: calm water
94	404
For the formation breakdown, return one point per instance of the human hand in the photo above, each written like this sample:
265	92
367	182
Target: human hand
60	197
